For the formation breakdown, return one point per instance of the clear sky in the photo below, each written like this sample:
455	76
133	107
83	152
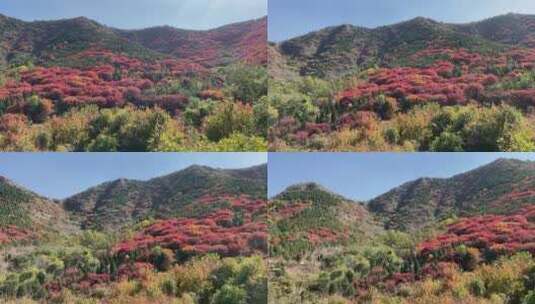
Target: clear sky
135	14
59	175
290	18
363	176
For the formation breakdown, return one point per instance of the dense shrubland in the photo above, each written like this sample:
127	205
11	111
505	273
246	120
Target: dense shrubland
82	269
322	251
216	258
125	104
393	269
439	100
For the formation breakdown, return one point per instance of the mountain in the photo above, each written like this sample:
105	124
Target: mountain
306	216
510	29
199	218
114	204
24	213
326	247
61	42
245	41
501	187
190	193
342	49
55	42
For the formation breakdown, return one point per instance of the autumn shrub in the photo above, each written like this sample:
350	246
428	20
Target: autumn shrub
468	257
229	118
197	111
385	107
384	257
500	129
246	83
38	109
229	294
505	277
162	258
240	142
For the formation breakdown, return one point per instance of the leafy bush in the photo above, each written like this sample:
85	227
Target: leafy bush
229	118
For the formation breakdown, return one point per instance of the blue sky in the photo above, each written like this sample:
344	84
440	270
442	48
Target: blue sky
363	176
290	18
134	14
59	175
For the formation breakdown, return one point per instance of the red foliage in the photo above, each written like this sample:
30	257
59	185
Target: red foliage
415	85
92	280
290	210
499	234
360	119
212	94
11	234
244	41
135	270
213	233
69	87
322	235
459	77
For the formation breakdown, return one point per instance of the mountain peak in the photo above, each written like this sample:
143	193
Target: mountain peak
197	169
421	19
308	186
83	22
310	191
417	22
506	163
504	160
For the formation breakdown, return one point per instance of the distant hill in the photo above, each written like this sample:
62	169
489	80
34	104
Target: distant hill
341	49
244	41
57	42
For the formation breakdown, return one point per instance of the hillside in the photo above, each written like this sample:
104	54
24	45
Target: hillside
306	217
510	29
194	192
464	239
168	88
342	49
502	187
203	224
26	215
240	41
55	42
418	85
114	204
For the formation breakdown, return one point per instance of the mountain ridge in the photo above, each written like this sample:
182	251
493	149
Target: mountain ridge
98	207
51	40
499	187
352	48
